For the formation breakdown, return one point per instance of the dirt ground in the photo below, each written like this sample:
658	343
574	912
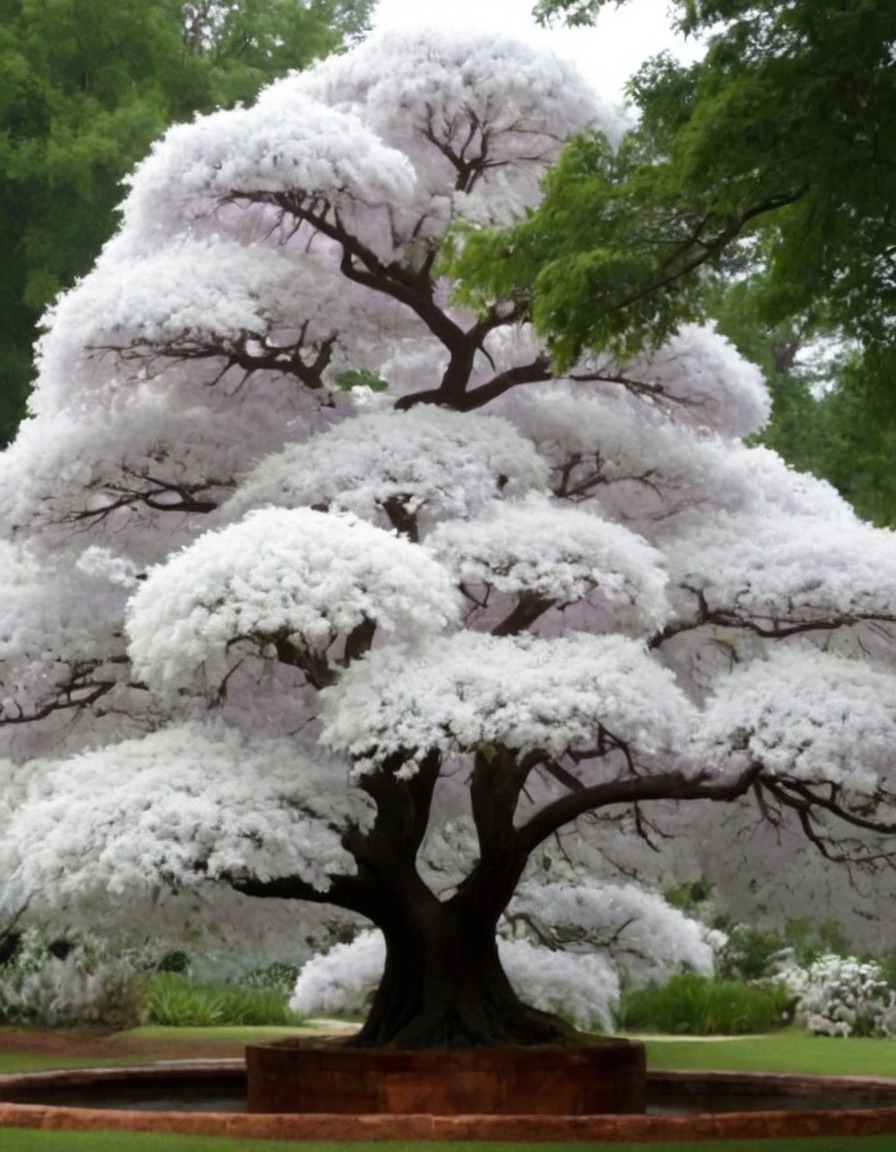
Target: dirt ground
116	1046
122	1047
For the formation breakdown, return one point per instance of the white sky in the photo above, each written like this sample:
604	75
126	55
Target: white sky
607	54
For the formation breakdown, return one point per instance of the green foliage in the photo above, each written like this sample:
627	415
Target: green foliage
575	13
887	964
690	896
829	415
750	953
176	1001
582	267
85	87
774	151
176	961
810	939
689	1004
361	378
278	976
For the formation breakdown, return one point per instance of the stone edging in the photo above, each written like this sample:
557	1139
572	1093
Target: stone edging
704	1126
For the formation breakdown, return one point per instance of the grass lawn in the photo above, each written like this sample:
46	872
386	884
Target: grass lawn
788	1051
23	1140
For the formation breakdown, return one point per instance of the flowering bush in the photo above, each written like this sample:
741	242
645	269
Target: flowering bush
583	989
843	996
83	983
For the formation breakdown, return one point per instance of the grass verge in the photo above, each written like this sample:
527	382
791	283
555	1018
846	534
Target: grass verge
26	1140
788	1051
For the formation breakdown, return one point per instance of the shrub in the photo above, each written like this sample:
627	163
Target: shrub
843	996
694	1005
176	961
278	975
83	983
176	1001
750	953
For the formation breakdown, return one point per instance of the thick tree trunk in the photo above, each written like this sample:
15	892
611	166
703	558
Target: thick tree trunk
444	987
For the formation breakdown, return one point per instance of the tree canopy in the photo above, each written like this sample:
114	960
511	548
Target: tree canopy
319	586
85	87
775	149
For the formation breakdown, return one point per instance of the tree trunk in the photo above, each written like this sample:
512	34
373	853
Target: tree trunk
444	987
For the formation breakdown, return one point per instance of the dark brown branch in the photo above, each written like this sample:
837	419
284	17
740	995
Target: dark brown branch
627	790
313	665
535	373
801	797
527	610
401	518
359	640
708	249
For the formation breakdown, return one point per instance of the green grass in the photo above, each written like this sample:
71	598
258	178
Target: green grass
26	1140
789	1051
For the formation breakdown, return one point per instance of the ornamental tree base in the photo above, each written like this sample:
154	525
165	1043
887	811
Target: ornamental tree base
608	1076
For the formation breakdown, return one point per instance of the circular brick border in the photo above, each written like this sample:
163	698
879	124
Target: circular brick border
303	1075
321	1126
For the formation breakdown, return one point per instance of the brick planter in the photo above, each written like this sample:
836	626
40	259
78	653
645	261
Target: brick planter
303	1077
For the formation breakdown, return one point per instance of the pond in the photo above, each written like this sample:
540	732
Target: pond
222	1088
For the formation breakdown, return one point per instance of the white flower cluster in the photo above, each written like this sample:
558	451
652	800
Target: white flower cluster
779	712
431	462
295	574
583	988
460	692
85	984
843	996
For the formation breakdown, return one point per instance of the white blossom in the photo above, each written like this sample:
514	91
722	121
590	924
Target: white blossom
186	805
291	574
804	715
429	462
558	554
467	690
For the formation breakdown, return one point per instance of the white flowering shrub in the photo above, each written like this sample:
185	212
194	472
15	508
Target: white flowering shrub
843	996
84	984
583	989
342	981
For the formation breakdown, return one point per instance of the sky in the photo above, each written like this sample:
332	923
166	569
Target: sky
607	54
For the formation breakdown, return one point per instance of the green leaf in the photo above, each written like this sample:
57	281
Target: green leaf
361	378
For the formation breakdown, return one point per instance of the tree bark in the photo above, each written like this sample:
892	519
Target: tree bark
444	987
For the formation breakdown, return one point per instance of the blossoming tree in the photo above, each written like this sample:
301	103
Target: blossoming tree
318	587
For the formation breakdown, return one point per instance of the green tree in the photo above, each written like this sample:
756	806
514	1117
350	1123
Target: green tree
765	168
778	146
823	420
85	87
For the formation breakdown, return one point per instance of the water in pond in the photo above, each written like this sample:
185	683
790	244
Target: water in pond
684	1101
133	1092
228	1094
